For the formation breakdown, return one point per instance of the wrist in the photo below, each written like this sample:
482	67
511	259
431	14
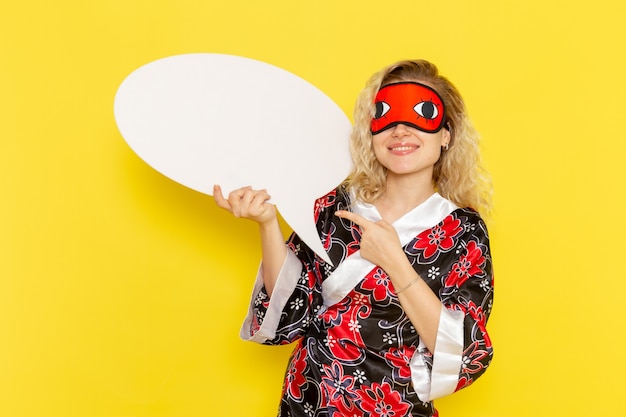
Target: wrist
410	284
270	228
402	274
398	266
271	222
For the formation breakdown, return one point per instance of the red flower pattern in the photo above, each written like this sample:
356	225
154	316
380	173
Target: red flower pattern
399	359
379	283
468	265
295	379
355	244
339	388
322	203
479	317
382	401
472	359
442	237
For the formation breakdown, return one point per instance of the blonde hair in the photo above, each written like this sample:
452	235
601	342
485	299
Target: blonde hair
458	174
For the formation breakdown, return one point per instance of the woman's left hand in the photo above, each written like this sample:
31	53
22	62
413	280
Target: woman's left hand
379	241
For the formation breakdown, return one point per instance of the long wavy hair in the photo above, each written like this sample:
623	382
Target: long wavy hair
457	175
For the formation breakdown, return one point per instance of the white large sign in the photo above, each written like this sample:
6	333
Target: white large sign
205	119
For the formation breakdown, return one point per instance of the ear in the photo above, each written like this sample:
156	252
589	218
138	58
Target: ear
445	137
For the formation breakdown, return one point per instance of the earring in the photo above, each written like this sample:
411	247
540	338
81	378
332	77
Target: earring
445	148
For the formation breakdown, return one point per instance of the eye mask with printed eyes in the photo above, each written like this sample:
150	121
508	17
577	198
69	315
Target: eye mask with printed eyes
410	103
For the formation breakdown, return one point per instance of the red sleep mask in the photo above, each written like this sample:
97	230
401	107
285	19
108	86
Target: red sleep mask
410	103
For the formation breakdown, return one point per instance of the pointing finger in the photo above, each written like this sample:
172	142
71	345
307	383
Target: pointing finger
353	217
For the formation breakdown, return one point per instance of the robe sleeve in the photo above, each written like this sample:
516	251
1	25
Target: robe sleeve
463	349
284	317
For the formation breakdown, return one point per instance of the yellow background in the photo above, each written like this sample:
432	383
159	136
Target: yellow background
122	292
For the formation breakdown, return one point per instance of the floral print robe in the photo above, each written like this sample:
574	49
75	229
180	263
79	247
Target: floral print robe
357	353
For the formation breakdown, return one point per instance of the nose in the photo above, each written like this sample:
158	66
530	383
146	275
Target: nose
400	130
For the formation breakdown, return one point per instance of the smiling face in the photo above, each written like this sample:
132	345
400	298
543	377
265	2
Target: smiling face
406	151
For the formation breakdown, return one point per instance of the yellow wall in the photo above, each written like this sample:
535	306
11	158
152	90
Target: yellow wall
121	292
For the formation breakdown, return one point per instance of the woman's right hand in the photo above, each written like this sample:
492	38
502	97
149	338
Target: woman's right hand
247	203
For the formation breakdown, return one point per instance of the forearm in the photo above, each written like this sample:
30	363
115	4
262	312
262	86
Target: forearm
254	205
419	302
274	253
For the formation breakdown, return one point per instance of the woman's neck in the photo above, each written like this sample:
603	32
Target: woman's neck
403	194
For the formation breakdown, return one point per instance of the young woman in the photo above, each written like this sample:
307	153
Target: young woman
399	318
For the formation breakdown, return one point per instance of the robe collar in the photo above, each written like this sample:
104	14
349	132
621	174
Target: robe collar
354	268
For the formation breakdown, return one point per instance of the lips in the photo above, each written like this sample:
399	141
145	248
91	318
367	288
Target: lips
402	148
